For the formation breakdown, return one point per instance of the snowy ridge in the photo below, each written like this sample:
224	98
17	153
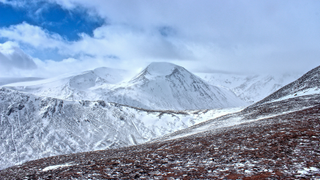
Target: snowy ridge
33	127
74	86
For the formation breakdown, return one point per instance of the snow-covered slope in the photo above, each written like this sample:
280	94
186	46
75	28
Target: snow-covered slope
75	86
168	86
33	127
251	88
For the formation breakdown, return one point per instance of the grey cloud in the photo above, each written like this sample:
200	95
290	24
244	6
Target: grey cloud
14	58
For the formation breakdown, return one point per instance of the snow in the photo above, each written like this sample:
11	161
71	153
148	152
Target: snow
56	167
223	123
310	170
305	92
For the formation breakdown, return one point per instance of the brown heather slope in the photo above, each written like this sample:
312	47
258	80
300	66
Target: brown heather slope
280	147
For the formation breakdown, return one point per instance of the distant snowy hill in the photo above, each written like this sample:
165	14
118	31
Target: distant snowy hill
250	88
33	127
169	86
75	86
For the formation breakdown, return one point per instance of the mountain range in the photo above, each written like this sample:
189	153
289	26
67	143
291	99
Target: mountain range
277	137
160	86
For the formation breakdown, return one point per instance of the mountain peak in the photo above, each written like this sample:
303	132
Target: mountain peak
160	68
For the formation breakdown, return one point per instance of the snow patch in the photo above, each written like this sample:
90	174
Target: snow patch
310	170
56	167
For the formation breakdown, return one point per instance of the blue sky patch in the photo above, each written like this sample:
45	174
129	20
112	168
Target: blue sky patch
67	23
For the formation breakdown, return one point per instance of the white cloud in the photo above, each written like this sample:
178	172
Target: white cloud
13	3
32	35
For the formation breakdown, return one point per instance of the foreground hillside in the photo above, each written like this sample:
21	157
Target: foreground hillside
284	146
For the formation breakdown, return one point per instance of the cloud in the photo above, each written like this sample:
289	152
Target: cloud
235	35
32	35
13	3
239	36
16	63
12	58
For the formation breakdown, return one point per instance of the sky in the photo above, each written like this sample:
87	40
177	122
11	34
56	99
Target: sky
45	38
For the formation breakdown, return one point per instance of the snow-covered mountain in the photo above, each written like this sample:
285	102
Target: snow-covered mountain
168	86
33	127
159	86
251	87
